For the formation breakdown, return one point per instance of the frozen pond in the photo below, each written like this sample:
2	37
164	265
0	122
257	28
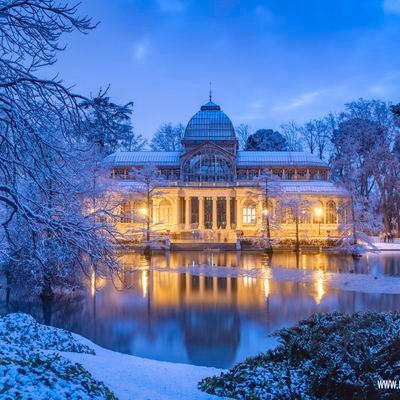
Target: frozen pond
214	308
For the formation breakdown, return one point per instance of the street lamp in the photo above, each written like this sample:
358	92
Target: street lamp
265	214
143	212
318	212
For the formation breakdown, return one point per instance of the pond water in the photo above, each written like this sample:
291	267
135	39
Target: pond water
160	310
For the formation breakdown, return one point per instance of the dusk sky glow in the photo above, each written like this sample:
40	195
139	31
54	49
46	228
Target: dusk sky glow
269	61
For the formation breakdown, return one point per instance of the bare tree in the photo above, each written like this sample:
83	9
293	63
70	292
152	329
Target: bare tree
292	133
168	138
42	123
242	133
148	185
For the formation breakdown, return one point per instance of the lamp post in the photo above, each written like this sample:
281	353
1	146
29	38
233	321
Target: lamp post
318	212
143	212
265	215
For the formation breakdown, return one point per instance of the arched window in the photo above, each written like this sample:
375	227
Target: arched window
270	209
127	211
286	214
318	213
249	213
208	165
331	212
305	214
165	212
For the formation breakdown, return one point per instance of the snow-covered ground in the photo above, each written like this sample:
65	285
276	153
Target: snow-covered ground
136	378
381	246
378	245
42	362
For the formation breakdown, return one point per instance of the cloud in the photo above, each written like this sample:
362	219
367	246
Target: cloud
302	100
392	6
140	51
378	90
256	105
171	6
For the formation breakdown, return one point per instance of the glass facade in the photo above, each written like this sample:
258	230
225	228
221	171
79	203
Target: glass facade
208	214
221	213
208	165
194	215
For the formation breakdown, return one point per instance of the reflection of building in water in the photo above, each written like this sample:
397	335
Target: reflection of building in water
206	320
170	289
211	334
212	190
249	260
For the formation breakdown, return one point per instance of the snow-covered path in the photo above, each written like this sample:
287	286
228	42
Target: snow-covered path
136	378
380	246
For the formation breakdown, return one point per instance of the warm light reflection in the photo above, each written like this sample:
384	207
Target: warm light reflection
319	286
265	211
248	281
145	282
93	283
266	287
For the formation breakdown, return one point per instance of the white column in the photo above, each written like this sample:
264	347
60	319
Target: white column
178	212
187	212
228	212
238	214
214	213
201	213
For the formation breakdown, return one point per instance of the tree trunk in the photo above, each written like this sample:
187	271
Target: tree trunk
353	220
47	308
47	290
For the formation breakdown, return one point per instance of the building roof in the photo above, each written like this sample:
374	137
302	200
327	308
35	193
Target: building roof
138	158
309	187
210	123
278	158
244	159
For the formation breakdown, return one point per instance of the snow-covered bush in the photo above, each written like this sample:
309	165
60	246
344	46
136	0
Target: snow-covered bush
329	356
22	329
31	374
30	370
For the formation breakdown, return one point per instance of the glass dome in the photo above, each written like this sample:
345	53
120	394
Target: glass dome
210	123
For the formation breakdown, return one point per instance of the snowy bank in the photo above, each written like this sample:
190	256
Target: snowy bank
32	368
131	377
42	362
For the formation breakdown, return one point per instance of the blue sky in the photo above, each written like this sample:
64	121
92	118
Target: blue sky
269	61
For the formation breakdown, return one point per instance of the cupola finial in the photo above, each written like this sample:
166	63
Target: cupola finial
210	93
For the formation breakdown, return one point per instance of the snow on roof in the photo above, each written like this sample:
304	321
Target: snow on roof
278	158
244	159
320	187
137	158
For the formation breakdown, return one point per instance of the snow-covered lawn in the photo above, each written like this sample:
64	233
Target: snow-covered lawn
131	377
42	362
